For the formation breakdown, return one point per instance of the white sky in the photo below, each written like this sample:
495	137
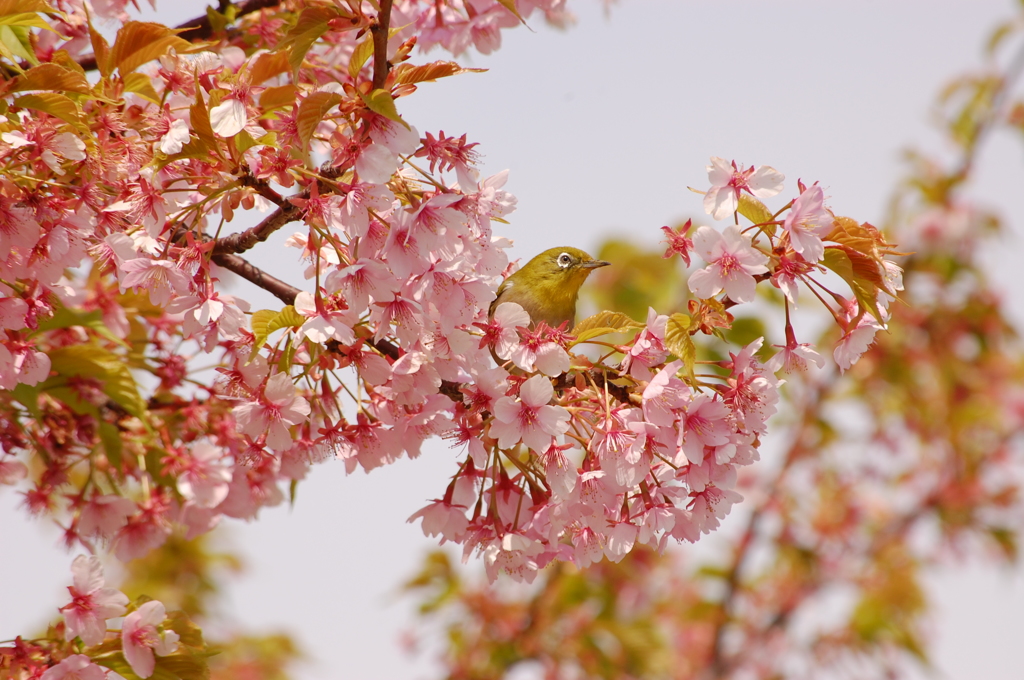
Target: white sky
603	127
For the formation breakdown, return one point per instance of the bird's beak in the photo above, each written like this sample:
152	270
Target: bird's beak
594	264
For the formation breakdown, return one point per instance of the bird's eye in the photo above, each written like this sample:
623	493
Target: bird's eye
564	260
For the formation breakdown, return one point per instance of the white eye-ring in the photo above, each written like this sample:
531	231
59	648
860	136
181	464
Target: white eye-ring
564	260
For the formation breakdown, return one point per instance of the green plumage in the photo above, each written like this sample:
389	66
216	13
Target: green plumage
548	285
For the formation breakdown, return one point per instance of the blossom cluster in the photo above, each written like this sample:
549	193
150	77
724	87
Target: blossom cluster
88	649
142	174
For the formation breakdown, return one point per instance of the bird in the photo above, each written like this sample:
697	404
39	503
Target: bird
548	285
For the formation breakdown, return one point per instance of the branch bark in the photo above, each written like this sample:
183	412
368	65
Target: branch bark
380	30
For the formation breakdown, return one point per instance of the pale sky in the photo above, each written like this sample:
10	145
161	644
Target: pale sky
603	127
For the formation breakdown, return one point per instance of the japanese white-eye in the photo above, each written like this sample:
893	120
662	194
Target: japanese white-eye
548	285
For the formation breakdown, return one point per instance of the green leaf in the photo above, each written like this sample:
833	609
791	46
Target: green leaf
360	54
28	396
839	261
287	318
260	322
113	446
268	65
139	42
66	318
312	23
15	43
97	362
679	341
278	97
51	77
101	49
312	110
756	211
8	7
243	141
53	103
200	119
26	19
266	321
141	85
380	101
603	323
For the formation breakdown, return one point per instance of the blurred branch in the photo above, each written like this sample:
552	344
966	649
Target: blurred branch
200	28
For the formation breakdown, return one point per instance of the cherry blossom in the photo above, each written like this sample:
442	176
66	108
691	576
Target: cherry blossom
794	357
732	264
728	181
75	667
278	407
529	419
808	222
141	638
857	338
91	603
678	243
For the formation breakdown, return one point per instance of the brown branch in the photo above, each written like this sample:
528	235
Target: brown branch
198	29
285	292
380	30
244	240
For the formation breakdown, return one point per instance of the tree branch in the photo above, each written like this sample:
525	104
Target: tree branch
285	292
245	240
380	30
195	30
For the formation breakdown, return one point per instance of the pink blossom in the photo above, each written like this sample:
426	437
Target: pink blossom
501	331
711	505
790	269
229	117
732	263
727	181
514	556
12	471
91	604
177	136
678	243
707	423
146	530
104	516
539	351
529	419
160	277
64	145
376	164
855	340
619	540
324	324
75	667
362	281
13	311
141	637
808	222
794	357
278	407
204	479
666	396
648	348
444	519
560	472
